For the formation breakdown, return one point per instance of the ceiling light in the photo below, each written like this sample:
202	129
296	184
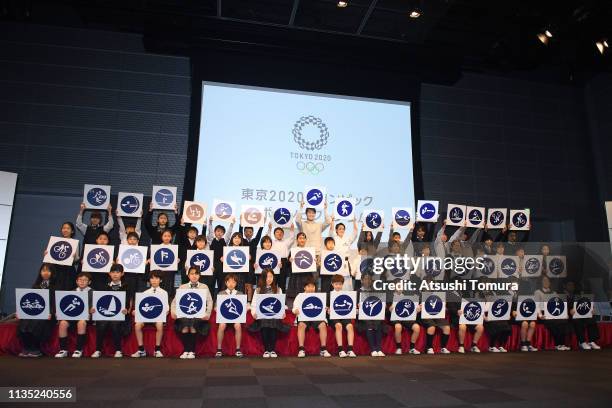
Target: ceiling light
342	4
415	13
543	38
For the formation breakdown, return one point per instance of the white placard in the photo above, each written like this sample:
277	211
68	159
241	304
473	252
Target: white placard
267	259
372	306
332	263
433	305
402	217
583	307
253	216
269	306
32	304
532	266
496	218
98	258
231	308
282	216
96	196
342	304
61	251
108	305
223	210
455	215
194	212
164	257
129	204
427	211
475	217
311	306
314	196
432	266
489	268
472	312
404	307
163	198
499	308
71	305
519	220
235	259
201	259
190	303
303	260
555	306
151	307
556	266
507	266
344	208
526	308
373	220
133	258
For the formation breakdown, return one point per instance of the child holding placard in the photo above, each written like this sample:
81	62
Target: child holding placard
372	328
82	281
118	329
186	236
125	230
99	279
313	229
217	239
398	326
155	278
296	280
230	289
241	278
559	328
66	274
187	328
248	240
33	333
581	324
368	242
319	326
136	281
155	231
90	232
282	244
338	325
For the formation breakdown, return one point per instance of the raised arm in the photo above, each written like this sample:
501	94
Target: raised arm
79	220
110	222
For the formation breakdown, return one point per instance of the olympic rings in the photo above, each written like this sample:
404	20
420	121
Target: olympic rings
310	167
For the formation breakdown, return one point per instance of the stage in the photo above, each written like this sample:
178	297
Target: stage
544	379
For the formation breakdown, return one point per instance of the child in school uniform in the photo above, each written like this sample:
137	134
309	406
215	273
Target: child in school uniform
155	279
373	328
99	279
282	244
339	324
399	326
559	328
125	230
82	281
33	333
66	274
267	327
453	305
230	289
155	231
217	239
167	238
241	278
90	232
396	237
318	326
118	329
367	241
252	242
136	281
296	280
343	240
185	238
498	330
330	245
580	325
313	229
430	329
188	329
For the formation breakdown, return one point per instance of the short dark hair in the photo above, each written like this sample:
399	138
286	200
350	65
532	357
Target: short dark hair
220	227
340	225
396	234
279	228
84	274
192	229
329	239
337	278
311	209
309	281
200	238
247	228
230	276
193	269
301	234
133	235
96	214
116	267
156	274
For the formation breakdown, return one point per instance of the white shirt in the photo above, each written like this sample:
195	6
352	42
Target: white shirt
282	246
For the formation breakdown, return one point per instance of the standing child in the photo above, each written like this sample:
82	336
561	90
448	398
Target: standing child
368	242
155	231
136	281
82	281
282	244
66	274
167	238
186	236
296	280
313	229
217	239
188	329
125	230
580	325
99	279
241	278
118	329
90	232
155	278
247	240
230	289
318	326
34	332
398	326
372	328
559	328
338	325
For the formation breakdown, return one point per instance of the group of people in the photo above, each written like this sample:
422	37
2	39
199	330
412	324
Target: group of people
419	241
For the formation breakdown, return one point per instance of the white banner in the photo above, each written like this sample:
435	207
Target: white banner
496	218
373	220
526	308
556	266
332	263
475	217
532	266
433	305
314	196
223	210
253	216
403	217
194	213
372	306
555	307
583	307
519	220
472	312
427	211
267	259
507	266
455	215
404	307
499	308
201	259
282	216
344	208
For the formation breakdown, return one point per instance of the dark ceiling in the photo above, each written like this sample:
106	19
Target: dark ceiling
494	36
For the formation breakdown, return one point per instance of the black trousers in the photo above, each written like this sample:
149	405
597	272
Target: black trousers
590	325
268	337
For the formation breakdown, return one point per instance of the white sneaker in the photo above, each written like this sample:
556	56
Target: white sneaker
444	350
273	354
374	354
62	354
524	348
351	354
191	355
380	354
137	354
158	354
184	356
531	348
493	349
567	348
118	354
96	354
342	354
430	351
324	353
594	346
414	351
301	354
560	347
502	350
266	354
77	354
475	349
461	350
398	351
583	346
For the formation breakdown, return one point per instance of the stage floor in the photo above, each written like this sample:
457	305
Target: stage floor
543	379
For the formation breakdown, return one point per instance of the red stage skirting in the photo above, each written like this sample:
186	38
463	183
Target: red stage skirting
286	346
